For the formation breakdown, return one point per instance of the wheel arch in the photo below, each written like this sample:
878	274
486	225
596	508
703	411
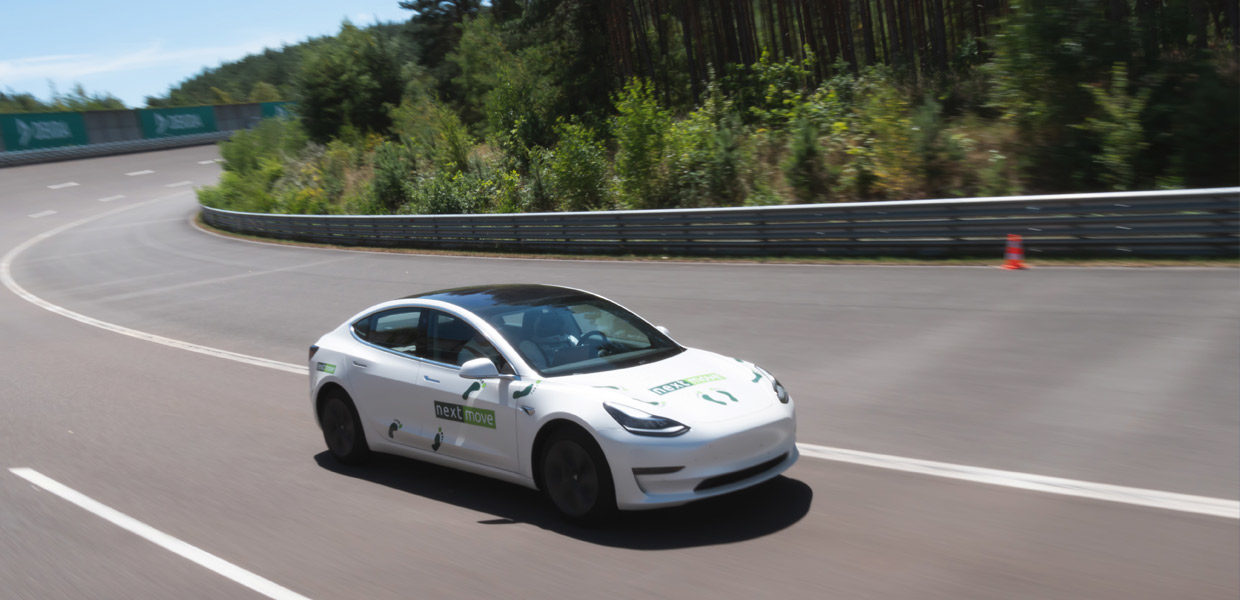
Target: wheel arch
321	396
547	432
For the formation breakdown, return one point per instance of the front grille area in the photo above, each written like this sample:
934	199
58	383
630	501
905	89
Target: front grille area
735	476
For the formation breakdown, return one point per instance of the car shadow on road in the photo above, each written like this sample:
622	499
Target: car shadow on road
744	515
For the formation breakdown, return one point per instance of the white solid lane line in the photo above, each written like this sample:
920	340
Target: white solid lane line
1218	507
1202	505
6	277
185	550
111	198
61	186
41	214
142	172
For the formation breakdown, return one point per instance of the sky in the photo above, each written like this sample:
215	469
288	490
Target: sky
139	48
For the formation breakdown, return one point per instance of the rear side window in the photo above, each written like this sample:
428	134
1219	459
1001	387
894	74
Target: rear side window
401	329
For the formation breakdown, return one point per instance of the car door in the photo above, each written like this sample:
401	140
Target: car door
384	372
473	420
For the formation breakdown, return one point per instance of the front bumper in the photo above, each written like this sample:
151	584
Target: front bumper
710	460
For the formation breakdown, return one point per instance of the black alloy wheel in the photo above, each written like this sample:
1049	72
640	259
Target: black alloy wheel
576	478
342	430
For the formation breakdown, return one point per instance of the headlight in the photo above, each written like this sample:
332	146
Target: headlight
780	392
643	423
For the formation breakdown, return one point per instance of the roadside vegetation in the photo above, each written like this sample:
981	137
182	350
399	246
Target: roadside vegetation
75	100
582	105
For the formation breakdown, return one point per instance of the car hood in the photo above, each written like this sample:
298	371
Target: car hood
694	386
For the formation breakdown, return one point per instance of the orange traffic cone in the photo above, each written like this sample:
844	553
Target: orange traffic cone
1014	256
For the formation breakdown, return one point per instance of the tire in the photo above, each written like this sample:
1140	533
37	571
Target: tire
576	478
342	429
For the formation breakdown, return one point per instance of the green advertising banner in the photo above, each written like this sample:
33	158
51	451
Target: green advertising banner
168	122
33	131
276	110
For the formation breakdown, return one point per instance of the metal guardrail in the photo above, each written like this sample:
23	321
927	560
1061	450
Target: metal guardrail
1202	222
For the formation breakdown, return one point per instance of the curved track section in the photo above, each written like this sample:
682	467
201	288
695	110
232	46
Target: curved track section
1123	377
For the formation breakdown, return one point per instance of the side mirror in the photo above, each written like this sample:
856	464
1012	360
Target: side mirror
663	330
479	368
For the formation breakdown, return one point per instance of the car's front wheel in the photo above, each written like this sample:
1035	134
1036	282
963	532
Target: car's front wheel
342	429
576	478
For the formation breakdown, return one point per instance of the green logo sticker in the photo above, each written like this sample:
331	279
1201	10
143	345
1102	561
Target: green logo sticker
438	440
681	384
718	396
477	385
394	427
480	417
327	368
529	389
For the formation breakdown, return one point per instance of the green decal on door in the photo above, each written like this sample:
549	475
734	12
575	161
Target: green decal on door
529	389
477	385
479	417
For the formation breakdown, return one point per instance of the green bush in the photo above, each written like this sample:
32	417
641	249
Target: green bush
578	170
394	165
1118	129
271	138
804	168
448	193
434	134
705	157
640	128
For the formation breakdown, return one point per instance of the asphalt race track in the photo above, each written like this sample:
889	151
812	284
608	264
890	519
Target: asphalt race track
1120	379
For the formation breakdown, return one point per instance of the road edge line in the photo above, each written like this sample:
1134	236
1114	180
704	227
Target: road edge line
6	277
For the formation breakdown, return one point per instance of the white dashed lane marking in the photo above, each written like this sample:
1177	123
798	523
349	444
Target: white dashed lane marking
142	172
185	550
61	186
179	184
111	198
206	162
40	215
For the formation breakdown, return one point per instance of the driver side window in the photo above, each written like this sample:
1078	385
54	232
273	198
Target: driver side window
455	342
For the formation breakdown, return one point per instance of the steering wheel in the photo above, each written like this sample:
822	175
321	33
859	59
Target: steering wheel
594	332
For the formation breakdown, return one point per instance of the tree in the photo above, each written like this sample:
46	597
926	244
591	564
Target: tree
351	82
264	92
435	28
78	99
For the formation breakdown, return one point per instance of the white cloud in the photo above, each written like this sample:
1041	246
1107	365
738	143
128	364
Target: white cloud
71	67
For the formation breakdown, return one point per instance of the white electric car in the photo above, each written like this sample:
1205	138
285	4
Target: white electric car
551	388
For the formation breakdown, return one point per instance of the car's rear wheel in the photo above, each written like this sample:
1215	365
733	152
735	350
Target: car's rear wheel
576	478
342	429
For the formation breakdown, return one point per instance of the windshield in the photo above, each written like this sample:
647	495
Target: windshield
579	333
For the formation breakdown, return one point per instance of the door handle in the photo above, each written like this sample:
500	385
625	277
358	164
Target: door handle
360	364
